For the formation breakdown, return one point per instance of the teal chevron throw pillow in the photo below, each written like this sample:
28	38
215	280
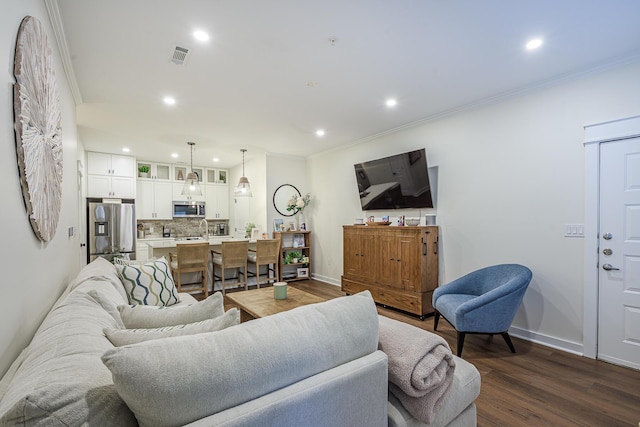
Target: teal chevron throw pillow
149	284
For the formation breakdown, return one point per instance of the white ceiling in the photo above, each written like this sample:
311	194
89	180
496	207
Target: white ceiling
269	76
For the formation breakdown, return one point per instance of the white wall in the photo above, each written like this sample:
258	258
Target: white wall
254	209
33	273
510	175
284	169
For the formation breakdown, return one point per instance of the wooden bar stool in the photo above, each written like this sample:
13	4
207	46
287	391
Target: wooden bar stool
267	252
231	255
191	258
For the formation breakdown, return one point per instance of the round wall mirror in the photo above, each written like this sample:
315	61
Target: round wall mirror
281	198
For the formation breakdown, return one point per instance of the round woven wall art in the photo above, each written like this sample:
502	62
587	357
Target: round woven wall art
38	130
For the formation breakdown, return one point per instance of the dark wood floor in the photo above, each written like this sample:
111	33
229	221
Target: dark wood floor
537	386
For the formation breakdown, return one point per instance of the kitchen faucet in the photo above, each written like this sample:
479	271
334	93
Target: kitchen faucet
206	229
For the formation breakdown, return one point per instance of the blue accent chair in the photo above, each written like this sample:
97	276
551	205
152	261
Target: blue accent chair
484	301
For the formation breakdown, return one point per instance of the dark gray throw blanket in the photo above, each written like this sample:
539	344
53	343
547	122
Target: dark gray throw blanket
421	366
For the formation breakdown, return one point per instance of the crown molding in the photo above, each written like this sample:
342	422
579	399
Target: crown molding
61	40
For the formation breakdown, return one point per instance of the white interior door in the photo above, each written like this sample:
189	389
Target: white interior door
619	253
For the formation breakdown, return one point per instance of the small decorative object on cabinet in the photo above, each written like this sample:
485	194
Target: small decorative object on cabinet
399	265
295	257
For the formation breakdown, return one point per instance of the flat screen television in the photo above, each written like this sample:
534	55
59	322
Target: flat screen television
400	181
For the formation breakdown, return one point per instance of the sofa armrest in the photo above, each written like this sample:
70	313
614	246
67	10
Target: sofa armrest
460	398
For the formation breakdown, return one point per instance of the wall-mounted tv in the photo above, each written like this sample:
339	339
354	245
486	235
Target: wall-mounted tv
395	182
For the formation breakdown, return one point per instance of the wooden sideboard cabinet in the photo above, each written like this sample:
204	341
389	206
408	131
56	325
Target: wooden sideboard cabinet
398	265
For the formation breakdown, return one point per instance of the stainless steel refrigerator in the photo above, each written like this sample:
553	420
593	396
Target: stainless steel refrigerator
111	229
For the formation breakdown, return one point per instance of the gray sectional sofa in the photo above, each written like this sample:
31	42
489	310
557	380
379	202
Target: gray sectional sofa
317	365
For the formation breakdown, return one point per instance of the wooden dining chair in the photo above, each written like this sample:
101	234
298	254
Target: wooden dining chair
231	255
267	252
191	258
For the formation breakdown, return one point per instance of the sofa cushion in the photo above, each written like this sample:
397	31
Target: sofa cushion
143	316
99	270
256	357
119	337
61	380
108	305
150	283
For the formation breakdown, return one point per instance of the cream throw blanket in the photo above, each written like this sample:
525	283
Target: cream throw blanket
421	366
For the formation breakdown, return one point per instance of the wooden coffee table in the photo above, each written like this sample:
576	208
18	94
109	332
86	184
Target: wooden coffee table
258	303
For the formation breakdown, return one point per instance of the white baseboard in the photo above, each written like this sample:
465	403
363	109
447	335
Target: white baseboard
324	279
546	340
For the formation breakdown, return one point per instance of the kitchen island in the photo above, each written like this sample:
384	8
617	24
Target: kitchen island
159	248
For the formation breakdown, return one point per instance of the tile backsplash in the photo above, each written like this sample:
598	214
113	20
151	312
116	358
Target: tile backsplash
181	227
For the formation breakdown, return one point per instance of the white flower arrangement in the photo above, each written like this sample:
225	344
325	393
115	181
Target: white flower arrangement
298	203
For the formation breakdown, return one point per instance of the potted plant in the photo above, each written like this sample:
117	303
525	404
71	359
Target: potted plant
247	230
292	257
143	171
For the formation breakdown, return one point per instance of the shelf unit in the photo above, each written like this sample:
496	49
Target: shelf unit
299	241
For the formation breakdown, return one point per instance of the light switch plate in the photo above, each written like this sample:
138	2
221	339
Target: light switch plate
574	230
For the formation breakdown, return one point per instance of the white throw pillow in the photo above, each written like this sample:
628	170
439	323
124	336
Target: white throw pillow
145	316
149	284
119	337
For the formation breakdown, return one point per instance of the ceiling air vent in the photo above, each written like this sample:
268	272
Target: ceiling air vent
179	55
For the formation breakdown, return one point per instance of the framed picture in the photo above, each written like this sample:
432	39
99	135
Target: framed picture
303	272
255	234
292	226
298	241
278	225
265	236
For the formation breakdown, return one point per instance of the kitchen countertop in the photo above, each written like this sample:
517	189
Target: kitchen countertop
172	242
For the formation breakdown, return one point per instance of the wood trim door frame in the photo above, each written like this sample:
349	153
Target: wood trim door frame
594	135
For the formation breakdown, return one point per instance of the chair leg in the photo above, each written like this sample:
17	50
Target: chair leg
224	292
205	282
436	319
507	339
461	336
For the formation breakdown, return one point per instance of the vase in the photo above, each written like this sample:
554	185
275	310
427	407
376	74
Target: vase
302	222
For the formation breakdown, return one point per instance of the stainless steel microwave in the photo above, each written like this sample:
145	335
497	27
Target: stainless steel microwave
188	210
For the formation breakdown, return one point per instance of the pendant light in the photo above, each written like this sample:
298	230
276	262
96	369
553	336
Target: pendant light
191	185
244	188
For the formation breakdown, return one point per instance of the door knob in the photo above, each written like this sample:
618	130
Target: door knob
607	236
607	251
609	267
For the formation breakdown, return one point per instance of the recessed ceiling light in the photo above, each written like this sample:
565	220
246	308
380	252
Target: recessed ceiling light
320	132
174	155
215	159
534	44
169	100
391	102
126	150
200	36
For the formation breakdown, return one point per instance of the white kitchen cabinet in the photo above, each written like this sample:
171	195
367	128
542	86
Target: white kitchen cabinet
180	173
111	186
142	252
153	199
110	175
177	193
110	164
215	176
217	201
157	171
